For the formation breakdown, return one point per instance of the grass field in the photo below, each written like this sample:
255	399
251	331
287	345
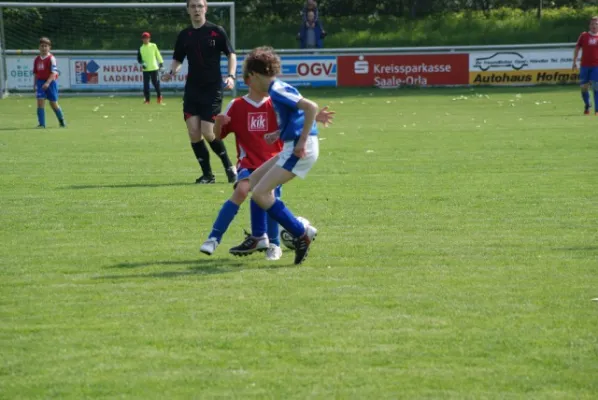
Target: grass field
457	255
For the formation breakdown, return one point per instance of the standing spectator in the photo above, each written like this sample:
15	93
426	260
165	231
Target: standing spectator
151	61
310	5
311	34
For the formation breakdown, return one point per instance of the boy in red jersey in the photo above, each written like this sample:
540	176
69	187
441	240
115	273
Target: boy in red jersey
253	120
588	74
45	74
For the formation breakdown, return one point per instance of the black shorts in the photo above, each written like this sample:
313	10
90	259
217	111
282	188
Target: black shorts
204	102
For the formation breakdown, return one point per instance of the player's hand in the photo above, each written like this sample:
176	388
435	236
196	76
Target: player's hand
574	68
229	83
167	77
272	137
222	119
299	150
325	117
45	86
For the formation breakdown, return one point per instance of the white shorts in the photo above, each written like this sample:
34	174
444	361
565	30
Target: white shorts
299	166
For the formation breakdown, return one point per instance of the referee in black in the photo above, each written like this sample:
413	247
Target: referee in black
202	44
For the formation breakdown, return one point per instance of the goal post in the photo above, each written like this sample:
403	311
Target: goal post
94	29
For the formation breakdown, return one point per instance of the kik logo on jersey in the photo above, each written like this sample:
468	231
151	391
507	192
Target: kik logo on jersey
258	122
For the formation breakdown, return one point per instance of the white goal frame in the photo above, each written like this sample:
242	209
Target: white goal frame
3	68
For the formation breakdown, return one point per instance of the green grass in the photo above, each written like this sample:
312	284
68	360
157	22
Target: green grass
456	258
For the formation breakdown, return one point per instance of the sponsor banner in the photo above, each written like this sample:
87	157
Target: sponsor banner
512	78
551	59
117	73
534	67
19	71
315	71
395	70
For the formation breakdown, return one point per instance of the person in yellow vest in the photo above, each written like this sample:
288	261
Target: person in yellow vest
151	60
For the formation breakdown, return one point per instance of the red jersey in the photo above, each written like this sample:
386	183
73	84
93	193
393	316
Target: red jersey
43	67
250	121
589	47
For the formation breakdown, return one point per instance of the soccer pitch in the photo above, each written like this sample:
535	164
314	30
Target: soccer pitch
457	255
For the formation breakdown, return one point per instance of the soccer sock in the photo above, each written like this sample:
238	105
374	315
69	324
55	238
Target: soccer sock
258	219
585	95
203	157
219	148
273	231
225	217
596	100
280	213
41	116
59	114
273	227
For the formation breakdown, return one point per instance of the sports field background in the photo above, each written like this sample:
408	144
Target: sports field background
457	255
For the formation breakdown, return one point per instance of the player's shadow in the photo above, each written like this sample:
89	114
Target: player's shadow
126	186
578	248
194	267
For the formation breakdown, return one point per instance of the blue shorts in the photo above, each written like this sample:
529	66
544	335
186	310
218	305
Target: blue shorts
51	93
244	173
588	74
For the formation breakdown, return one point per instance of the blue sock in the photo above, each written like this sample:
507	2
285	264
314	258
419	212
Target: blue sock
273	227
41	116
59	114
596	100
225	217
258	219
273	231
280	213
585	95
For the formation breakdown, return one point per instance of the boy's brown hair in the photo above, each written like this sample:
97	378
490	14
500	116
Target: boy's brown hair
262	60
45	40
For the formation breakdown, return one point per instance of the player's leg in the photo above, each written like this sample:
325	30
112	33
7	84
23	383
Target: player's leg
274	251
217	145
146	87
227	213
156	84
287	167
41	104
584	80
52	96
200	150
258	239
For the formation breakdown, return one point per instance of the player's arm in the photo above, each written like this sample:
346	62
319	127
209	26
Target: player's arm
222	122
177	58
229	51
35	75
310	110
159	57
53	74
576	52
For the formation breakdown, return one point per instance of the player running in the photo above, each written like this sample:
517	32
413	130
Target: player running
45	85
588	74
202	44
298	131
253	120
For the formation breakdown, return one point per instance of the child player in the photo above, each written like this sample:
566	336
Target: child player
588	74
45	74
298	131
152	62
252	119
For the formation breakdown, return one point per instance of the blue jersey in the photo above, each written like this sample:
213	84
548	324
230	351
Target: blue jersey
290	119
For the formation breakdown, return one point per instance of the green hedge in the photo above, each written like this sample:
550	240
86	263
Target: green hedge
500	26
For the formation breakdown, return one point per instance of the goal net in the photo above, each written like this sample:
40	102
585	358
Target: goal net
90	31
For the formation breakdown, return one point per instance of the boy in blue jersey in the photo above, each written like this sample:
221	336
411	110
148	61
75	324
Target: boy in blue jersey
298	131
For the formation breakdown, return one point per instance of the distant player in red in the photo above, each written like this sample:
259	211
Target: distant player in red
253	121
45	85
588	74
